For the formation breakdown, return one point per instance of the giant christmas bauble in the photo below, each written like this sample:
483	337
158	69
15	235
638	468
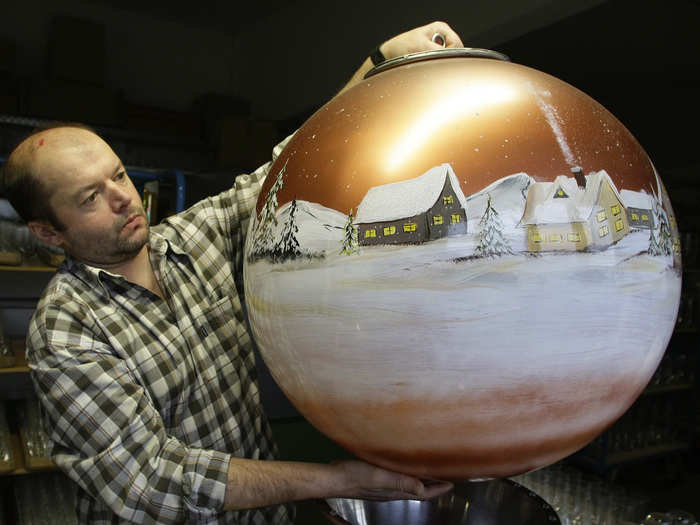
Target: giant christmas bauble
462	267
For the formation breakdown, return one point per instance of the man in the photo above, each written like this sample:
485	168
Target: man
138	348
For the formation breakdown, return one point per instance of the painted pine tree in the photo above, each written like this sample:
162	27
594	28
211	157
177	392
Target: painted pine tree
351	243
287	247
665	240
654	248
264	240
491	242
660	241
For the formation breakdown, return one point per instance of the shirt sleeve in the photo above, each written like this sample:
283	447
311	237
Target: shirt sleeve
106	433
219	224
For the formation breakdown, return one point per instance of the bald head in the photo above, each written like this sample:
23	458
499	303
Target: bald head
39	164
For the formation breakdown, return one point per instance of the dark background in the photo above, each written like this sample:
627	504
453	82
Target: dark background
209	87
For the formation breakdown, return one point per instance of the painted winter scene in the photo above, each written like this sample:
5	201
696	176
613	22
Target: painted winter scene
466	278
479	291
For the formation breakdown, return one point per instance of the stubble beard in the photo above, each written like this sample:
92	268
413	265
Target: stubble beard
102	250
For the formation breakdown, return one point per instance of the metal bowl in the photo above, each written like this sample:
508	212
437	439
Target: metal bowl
493	502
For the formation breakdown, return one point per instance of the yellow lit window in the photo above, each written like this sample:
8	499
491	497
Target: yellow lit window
448	200
555	237
536	237
619	225
635	217
560	193
409	227
370	233
604	230
574	237
456	218
645	217
389	230
437	219
601	216
615	209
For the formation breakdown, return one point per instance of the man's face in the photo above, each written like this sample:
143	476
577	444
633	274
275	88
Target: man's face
92	197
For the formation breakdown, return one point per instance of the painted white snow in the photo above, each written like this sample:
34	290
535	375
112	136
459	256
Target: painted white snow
408	198
358	326
637	199
320	228
429	321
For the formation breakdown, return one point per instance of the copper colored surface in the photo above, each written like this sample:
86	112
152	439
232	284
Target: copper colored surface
429	357
399	436
485	117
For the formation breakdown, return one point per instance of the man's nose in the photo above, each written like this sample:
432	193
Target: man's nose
119	197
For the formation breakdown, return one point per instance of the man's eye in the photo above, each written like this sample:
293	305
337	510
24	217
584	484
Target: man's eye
120	176
91	198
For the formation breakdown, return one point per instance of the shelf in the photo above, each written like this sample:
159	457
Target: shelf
45	262
21	468
20	359
27	268
9	466
10	258
34	264
32	464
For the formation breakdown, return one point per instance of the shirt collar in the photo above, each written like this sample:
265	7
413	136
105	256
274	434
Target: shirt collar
94	276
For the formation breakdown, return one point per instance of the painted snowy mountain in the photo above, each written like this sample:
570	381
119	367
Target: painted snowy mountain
320	228
507	198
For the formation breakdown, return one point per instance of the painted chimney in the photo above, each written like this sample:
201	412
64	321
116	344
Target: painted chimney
579	176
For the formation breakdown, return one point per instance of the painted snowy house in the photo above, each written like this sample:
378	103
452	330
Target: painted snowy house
566	216
639	205
421	209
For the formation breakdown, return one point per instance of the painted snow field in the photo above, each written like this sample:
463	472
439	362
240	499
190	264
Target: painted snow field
409	321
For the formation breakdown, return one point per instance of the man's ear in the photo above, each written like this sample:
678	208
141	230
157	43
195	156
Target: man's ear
45	232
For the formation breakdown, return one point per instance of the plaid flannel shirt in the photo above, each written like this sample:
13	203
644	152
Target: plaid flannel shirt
146	400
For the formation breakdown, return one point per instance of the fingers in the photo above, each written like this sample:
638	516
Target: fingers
410	486
370	482
451	37
420	492
435	488
421	39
